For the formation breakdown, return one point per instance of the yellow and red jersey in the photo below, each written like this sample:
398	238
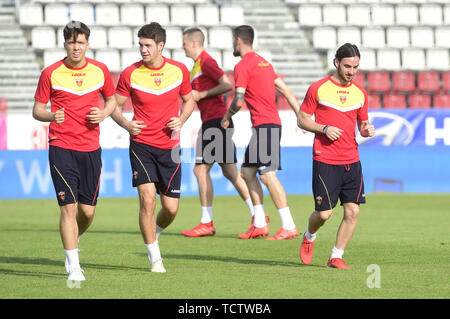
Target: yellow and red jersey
155	96
205	74
77	91
339	106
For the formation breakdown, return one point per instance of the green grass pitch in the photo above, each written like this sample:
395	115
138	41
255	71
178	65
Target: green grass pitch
406	235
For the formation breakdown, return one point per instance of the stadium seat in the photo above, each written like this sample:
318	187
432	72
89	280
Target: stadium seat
446	81
82	12
422	37
128	57
418	100
31	14
207	15
397	37
157	13
404	81
394	101
334	14
442	36
180	56
441	100
53	55
360	79
229	61
428	81
437	59
216	55
60	37
174	38
310	15
358	15
109	57
43	38
374	101
447	14
349	34
182	15
98	38
373	37
388	59
132	14
56	14
220	37
413	59
232	15
324	38
120	37
430	14
107	14
407	14
368	60
383	15
378	81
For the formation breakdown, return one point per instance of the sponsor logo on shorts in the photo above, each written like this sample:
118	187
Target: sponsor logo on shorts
62	195
319	200
175	190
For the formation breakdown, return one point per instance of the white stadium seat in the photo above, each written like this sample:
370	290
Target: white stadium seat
349	34
52	56
310	15
231	15
157	13
107	14
358	15
129	56
229	60
180	56
109	57
324	37
442	36
132	14
388	59
397	37
220	38
60	37
383	15
368	60
437	59
98	38
174	38
430	14
83	12
182	15
422	37
207	15
120	37
216	55
373	37
334	15
56	14
447	14
31	14
43	38
406	14
413	59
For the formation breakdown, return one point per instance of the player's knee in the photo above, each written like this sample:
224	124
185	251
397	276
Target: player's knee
351	212
325	215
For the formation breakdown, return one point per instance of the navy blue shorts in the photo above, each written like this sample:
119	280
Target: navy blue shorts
75	175
215	144
263	150
154	165
333	182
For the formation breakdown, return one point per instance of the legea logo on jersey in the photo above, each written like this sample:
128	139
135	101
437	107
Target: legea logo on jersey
391	128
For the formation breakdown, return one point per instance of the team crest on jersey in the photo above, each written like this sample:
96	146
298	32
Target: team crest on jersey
135	175
343	98
62	195
319	200
79	82
158	81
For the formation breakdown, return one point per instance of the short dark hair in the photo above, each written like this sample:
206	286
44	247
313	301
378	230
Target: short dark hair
153	31
74	28
347	50
245	33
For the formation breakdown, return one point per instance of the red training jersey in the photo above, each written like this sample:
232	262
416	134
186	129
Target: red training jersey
155	98
205	74
339	106
257	76
77	91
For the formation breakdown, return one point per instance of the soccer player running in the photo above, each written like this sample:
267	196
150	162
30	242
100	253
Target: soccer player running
256	82
73	85
209	82
337	104
155	85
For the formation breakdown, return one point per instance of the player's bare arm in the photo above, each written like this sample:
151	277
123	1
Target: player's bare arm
235	106
176	123
366	129
40	113
305	121
223	87
281	87
97	115
133	127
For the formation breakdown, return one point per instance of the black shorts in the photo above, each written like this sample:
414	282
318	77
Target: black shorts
263	150
75	175
331	182
154	165
215	144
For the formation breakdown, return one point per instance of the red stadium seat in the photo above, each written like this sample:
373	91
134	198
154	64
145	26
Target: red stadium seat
394	101
419	100
360	79
379	81
404	81
446	81
428	81
3	105
374	101
441	100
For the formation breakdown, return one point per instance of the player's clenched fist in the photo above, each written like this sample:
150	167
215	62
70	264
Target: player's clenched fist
58	116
